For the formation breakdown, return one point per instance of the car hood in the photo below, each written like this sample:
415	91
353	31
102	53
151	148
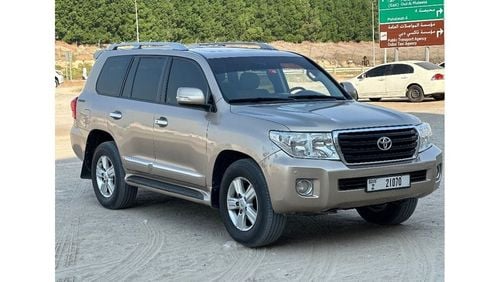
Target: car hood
325	115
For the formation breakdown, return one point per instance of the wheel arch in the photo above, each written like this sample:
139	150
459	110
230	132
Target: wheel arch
224	159
94	139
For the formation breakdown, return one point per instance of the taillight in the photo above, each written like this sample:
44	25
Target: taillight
73	107
438	76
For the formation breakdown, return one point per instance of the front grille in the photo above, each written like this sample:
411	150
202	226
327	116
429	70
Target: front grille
361	182
361	146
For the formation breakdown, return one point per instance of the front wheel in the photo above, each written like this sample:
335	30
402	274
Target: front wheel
245	206
390	213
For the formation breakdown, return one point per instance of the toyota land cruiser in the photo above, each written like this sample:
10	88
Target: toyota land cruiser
255	132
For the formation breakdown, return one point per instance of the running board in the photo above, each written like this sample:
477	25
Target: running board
135	180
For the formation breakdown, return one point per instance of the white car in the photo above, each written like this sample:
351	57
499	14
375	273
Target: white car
59	78
412	79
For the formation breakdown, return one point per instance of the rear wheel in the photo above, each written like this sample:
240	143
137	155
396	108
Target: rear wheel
390	213
108	178
245	206
415	93
57	82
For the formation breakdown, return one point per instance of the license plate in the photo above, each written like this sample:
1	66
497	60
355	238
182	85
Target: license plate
388	183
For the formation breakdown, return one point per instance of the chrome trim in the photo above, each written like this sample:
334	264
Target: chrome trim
163	167
177	170
336	133
137	161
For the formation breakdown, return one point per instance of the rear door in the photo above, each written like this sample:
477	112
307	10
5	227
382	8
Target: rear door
181	131
131	118
371	83
398	77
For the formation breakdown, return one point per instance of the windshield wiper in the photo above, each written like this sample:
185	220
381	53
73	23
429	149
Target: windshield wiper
259	99
315	96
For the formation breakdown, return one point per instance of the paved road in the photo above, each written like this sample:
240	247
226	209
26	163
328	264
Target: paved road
164	238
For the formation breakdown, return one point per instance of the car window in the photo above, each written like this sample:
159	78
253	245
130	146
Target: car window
271	78
185	73
112	75
378	71
400	69
147	78
298	78
428	65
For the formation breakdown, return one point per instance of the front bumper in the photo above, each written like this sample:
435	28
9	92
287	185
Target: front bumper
282	171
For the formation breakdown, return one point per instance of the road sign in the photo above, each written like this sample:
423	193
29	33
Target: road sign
412	34
408	23
412	14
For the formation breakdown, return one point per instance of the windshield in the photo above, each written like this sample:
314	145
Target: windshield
272	79
428	66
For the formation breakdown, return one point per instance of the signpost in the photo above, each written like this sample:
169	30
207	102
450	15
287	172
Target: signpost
411	23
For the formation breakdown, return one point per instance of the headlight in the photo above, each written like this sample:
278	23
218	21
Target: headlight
305	145
425	133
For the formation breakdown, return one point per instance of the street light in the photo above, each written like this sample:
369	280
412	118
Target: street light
373	35
136	21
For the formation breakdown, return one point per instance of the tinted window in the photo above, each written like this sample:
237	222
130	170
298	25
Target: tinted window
400	69
147	78
185	73
112	75
378	71
428	66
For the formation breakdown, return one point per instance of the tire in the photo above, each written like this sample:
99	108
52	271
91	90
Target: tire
267	226
390	213
438	97
375	99
57	82
122	195
415	93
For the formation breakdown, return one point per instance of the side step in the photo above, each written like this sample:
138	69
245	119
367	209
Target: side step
172	188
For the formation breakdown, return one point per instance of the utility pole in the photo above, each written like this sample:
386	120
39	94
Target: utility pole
373	35
136	21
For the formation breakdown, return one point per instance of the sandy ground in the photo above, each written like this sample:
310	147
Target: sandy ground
164	238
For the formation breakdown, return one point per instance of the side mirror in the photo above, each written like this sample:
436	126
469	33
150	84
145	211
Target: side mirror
349	88
361	77
190	96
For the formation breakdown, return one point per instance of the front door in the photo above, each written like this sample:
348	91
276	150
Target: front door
372	83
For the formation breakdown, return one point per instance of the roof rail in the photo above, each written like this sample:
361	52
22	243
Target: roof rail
261	45
140	45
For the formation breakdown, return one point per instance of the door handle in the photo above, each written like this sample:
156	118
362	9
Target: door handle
161	122
381	79
404	77
116	115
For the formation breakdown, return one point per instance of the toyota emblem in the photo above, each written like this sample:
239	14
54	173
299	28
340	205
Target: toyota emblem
384	143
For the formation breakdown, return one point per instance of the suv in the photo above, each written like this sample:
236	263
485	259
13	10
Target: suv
257	133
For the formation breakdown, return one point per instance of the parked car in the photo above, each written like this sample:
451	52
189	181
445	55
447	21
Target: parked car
255	133
412	79
59	78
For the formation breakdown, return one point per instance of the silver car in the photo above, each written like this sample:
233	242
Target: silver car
252	131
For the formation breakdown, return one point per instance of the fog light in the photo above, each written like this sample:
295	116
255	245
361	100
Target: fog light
304	187
438	172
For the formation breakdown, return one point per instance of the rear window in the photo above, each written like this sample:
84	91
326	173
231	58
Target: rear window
147	78
112	75
428	66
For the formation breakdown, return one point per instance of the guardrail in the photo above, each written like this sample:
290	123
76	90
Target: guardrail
346	71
